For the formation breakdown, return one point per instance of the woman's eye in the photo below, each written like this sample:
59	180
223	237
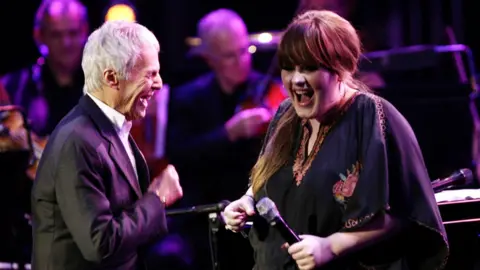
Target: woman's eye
310	68
288	68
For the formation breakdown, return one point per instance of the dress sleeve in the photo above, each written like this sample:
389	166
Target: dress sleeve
392	178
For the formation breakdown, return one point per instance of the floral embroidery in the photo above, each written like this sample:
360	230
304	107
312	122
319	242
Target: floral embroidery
344	188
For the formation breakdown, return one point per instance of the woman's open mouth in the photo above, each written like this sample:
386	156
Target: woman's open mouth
304	97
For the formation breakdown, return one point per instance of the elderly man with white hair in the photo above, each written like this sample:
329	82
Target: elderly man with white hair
92	202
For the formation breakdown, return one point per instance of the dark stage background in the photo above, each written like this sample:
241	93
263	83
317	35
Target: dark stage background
391	24
436	107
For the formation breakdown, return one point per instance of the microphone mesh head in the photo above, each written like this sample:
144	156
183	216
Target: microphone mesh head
467	173
267	209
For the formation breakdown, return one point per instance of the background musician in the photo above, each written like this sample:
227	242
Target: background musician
210	133
45	91
52	86
215	127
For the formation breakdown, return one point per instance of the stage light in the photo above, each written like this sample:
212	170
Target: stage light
121	10
264	38
258	41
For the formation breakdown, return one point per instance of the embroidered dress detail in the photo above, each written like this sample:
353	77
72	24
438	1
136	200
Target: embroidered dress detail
344	188
303	160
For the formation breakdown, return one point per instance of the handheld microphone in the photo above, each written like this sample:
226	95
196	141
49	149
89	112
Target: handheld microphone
268	210
460	177
206	208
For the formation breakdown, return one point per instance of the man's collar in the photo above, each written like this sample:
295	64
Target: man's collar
119	121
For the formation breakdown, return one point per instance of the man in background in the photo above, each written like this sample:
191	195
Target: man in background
213	131
215	127
45	91
52	86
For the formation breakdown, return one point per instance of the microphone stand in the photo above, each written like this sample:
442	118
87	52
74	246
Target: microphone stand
214	221
214	224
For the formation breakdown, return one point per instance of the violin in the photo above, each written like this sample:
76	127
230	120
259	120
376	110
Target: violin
15	136
270	98
268	94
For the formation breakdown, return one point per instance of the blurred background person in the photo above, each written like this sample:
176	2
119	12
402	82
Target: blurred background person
52	86
217	122
45	91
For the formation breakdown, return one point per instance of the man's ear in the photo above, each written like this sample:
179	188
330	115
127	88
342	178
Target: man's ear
111	78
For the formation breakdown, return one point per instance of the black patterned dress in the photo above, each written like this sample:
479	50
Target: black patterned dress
365	161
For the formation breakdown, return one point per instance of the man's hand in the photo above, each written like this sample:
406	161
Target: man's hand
167	186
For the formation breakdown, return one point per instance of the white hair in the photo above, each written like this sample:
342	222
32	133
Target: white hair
115	45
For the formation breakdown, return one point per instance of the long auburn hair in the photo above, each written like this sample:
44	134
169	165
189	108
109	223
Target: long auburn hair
313	39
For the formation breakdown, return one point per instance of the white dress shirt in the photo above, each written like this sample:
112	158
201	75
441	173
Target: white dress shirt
122	126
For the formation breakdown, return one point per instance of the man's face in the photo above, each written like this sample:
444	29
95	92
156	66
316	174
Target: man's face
64	32
227	53
136	91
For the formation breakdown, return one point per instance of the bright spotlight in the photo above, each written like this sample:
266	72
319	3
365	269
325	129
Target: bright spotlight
121	11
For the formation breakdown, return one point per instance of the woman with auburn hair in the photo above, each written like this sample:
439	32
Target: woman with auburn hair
342	165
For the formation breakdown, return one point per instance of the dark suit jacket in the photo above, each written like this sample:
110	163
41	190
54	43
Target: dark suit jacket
89	210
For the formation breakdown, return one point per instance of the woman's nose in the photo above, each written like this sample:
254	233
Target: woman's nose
298	80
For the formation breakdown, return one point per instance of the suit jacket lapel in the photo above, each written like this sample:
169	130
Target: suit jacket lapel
116	150
142	167
119	155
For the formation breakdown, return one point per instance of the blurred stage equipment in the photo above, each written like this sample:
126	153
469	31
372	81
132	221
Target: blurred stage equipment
427	84
429	88
215	223
460	211
16	160
420	57
461	177
121	10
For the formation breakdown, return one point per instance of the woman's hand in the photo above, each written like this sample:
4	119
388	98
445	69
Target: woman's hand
311	252
236	213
